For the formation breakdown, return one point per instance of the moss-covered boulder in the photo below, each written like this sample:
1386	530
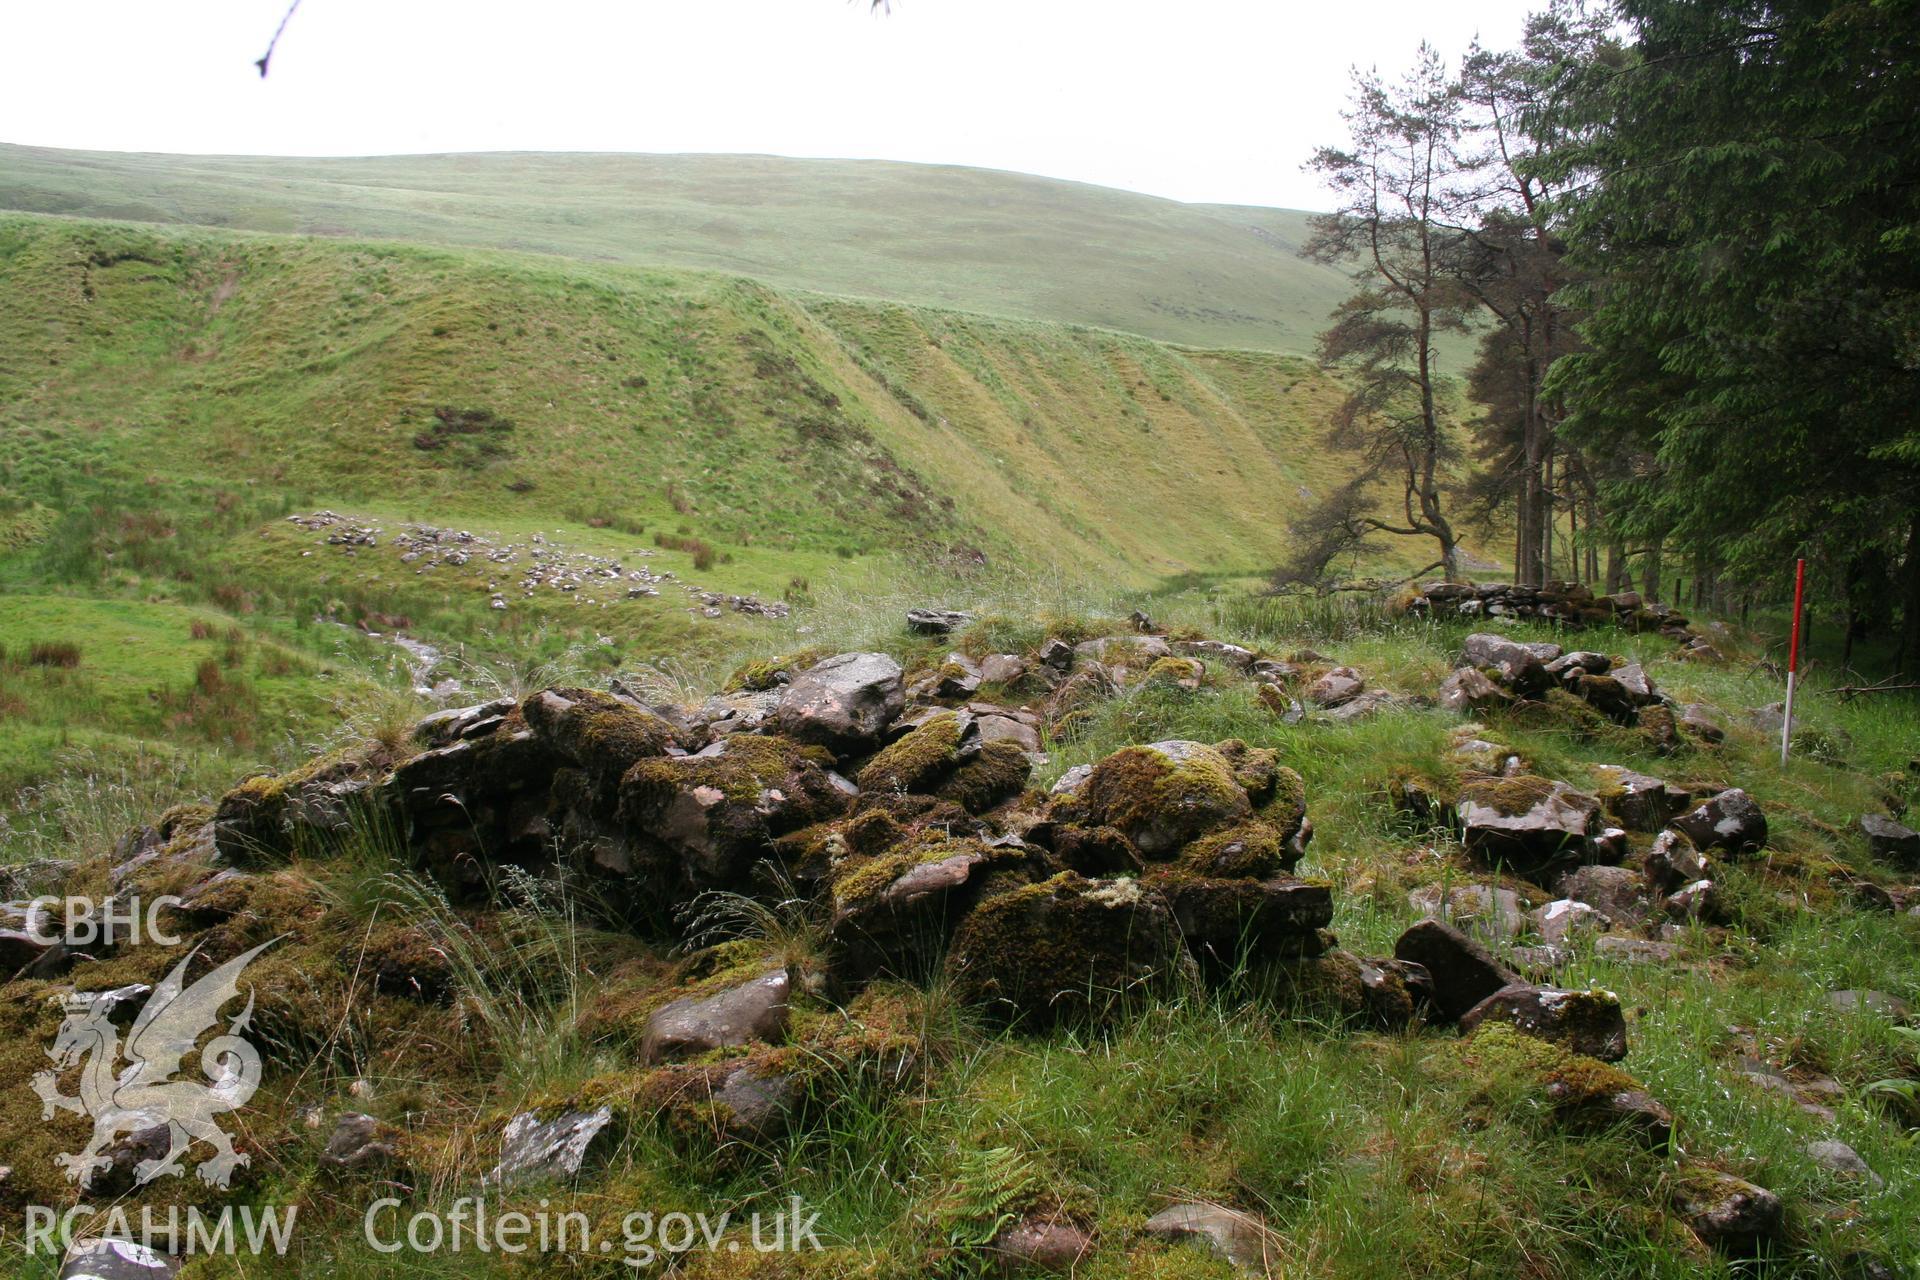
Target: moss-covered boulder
402	960
763	674
994	774
1588	1023
1340	987
893	912
719	809
739	1013
1606	695
478	803
879	823
1558	711
1075	695
266	815
919	758
1252	849
1639	801
1161	796
1215	828
1728	1213
599	733
1094	852
1230	921
1529	825
945	756
728	1113
735	1110
1659	729
1579	1094
1067	950
1186	674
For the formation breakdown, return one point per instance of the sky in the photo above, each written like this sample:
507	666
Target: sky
1199	100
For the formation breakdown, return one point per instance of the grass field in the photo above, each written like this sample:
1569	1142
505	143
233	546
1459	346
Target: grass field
972	239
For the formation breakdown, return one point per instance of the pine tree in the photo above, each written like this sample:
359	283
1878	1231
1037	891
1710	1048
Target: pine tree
1399	179
1743	195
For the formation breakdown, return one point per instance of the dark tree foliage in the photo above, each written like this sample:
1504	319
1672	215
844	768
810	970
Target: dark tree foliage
1512	261
1743	204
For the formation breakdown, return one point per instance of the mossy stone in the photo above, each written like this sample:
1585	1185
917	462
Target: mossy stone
996	773
1578	1093
1162	796
1249	849
720	809
1175	673
918	759
1067	950
602	734
1509	797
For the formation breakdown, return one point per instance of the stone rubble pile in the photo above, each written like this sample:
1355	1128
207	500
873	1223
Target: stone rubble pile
530	568
1569	604
901	805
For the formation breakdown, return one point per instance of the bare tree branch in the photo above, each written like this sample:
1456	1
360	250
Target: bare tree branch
274	43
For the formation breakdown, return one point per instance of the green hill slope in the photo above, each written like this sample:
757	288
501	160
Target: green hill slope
974	239
647	463
491	387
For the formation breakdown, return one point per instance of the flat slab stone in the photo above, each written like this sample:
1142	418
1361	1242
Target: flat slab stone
755	1010
1635	950
936	622
532	1149
1237	1237
95	1258
1878	1002
1464	973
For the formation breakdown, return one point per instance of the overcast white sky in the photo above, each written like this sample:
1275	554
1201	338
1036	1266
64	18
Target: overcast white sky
1212	100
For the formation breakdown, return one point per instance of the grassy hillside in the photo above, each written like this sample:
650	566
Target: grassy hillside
435	385
979	240
629	450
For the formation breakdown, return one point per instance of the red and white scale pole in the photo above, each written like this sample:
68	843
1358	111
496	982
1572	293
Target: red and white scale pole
1793	657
